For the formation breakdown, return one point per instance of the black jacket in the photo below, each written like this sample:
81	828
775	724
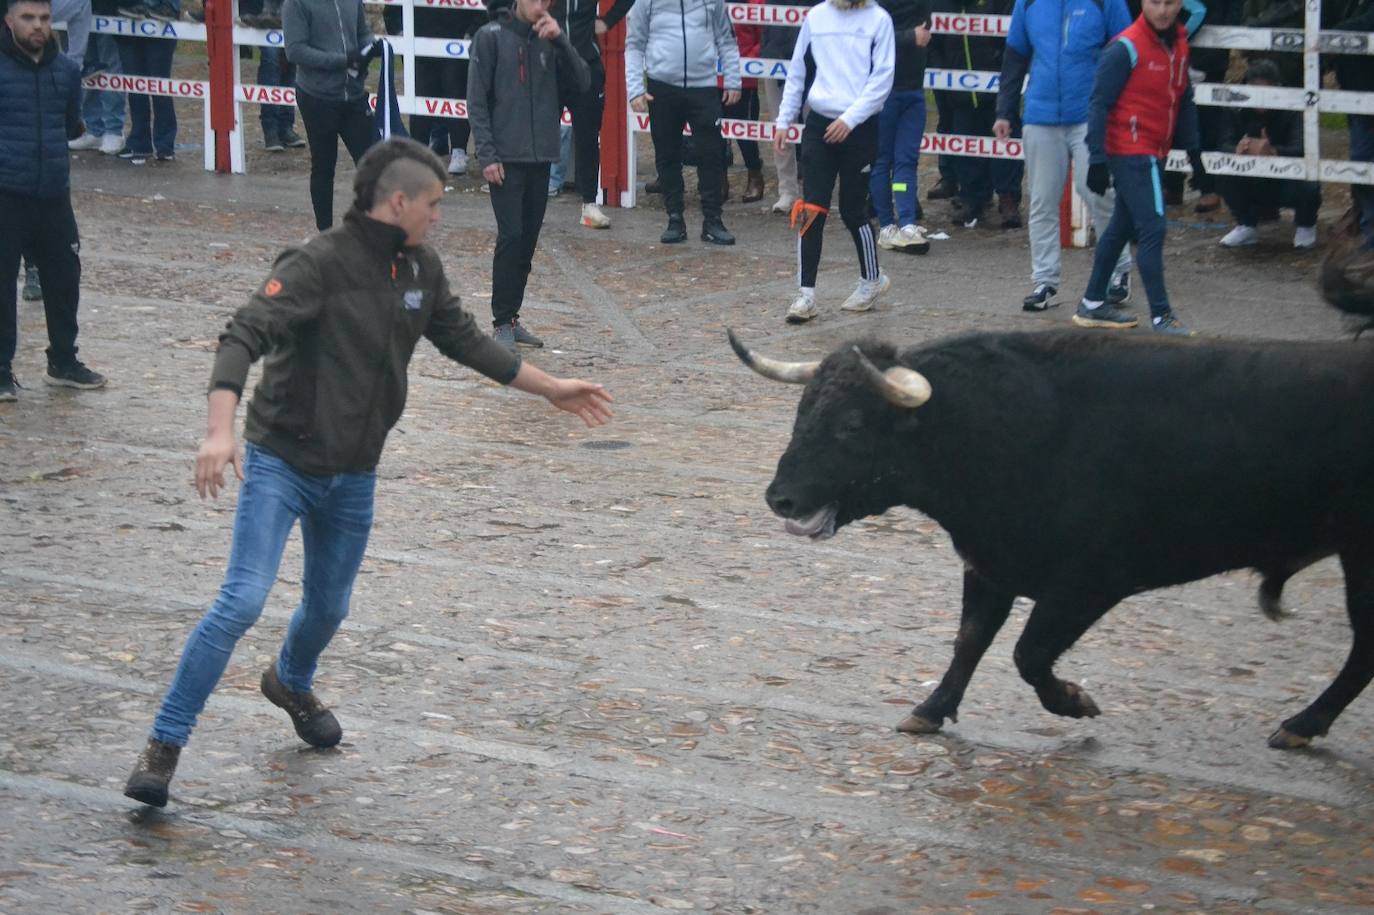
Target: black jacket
1283	128
578	19
778	41
336	324
910	72
964	52
515	83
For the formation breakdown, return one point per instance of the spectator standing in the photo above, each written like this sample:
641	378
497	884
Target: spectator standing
777	44
900	126
278	121
748	40
1141	104
326	40
671	50
152	119
351	304
843	63
973	113
446	78
1267	132
584	27
522	64
40	110
1059	44
102	110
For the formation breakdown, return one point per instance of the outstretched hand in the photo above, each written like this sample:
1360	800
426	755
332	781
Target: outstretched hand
583	399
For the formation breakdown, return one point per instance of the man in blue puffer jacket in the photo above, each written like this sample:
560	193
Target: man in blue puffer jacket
40	110
1059	42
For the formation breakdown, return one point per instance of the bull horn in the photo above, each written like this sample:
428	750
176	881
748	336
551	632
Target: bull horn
902	386
790	372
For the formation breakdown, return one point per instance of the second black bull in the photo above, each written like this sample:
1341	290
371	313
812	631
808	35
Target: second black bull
1077	469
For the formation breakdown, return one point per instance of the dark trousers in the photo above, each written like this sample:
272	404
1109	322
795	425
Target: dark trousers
326	122
587	111
436	77
45	229
944	123
979	177
519	203
1249	198
275	70
822	162
1362	150
152	119
672	107
746	109
1139	214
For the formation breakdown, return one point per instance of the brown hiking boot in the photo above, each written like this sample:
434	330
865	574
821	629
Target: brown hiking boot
153	773
943	190
753	186
1010	210
314	723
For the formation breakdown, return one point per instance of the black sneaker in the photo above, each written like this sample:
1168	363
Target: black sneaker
9	386
1103	315
1119	293
714	232
1041	299
135	158
163	11
314	723
653	187
74	375
169	156
33	287
272	141
676	231
292	139
153	773
523	336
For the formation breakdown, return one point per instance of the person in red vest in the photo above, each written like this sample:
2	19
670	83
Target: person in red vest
1142	101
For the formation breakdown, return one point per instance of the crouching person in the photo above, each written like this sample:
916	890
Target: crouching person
351	304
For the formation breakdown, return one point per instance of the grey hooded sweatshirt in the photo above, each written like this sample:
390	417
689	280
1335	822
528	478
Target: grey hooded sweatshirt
678	42
320	37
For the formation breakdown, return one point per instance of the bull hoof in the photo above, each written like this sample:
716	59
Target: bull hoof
1074	702
1284	739
916	724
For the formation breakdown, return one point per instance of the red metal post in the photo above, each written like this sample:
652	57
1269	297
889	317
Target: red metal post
615	168
1066	215
219	47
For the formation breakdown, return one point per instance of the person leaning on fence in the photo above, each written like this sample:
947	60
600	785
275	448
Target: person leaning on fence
1141	105
1059	45
671	50
327	41
336	324
584	26
843	64
1267	132
900	127
522	65
40	110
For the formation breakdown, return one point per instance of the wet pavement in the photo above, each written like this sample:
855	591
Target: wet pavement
585	670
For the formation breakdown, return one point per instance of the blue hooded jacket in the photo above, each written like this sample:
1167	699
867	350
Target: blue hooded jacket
1060	42
40	109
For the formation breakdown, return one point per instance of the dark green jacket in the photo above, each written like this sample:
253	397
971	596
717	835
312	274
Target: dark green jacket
336	324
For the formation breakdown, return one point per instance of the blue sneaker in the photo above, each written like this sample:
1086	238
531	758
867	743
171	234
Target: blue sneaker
1168	324
1104	315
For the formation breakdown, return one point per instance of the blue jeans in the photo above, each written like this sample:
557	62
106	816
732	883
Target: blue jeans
273	70
335	513
152	119
900	125
559	169
1362	150
103	111
1139	214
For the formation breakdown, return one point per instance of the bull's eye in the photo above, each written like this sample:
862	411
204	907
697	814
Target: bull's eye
851	425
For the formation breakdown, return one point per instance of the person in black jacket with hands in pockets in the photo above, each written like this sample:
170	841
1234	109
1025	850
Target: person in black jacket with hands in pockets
522	64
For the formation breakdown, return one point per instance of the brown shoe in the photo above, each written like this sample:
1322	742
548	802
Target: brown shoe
153	773
753	186
1207	203
943	190
1010	210
314	723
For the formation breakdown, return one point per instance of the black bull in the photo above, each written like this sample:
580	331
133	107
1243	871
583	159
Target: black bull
1077	469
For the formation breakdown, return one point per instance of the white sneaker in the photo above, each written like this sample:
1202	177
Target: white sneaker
458	162
913	239
784	204
866	293
593	218
887	236
1240	237
1305	237
802	309
111	144
85	141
